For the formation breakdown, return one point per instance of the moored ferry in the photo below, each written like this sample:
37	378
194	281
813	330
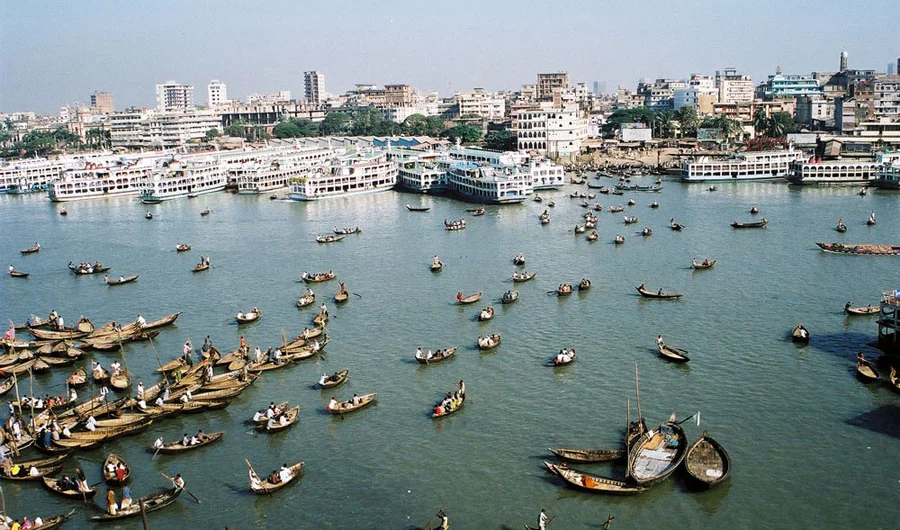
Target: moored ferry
422	176
887	177
177	178
838	171
30	175
273	173
488	184
545	174
750	165
120	178
346	173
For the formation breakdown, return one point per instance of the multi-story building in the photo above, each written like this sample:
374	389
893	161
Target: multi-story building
398	95
125	127
703	83
788	86
268	113
548	83
599	88
146	128
314	83
282	96
488	105
660	94
886	97
174	97
103	102
556	132
216	93
814	111
733	87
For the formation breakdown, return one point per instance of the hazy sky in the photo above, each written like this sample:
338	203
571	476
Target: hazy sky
54	53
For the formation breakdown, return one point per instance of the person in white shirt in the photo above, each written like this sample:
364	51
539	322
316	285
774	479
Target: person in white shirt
254	480
33	472
159	401
140	390
140	321
188	348
284	473
543	520
66	432
283	419
72	394
186	440
91	424
142	404
158	444
270	424
333	404
259	416
659	340
103	392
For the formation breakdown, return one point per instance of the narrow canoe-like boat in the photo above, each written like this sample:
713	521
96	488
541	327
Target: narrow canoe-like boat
488	342
438	411
178	447
867	250
509	297
594	483
439	355
200	267
347	406
523	277
346	231
149	503
112	478
700	265
306	300
52	523
63	212
755	224
707	463
8	384
334	379
279	408
584	284
471	299
564	289
92	270
122	280
580	229
418	208
654	204
619	239
589	456
568	357
436	266
182	247
631	219
49	334
262	487
57	361
800	334
868	310
52	484
486	314
24	473
174	364
672	353
657	294
31	250
865	369
654	458
593	236
329	239
754	210
18	274
616	209
292	417
320	277
148	215
840	228
248	317
341	296
476	211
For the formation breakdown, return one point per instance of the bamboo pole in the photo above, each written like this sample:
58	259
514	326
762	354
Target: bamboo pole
637	391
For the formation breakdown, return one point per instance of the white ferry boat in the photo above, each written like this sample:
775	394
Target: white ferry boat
888	175
544	173
119	178
273	173
832	172
176	178
757	165
423	176
346	173
30	175
488	184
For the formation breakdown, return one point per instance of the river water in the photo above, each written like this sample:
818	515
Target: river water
811	446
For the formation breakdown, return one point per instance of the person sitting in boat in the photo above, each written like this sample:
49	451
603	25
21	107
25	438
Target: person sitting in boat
561	357
659	293
158	443
659	340
90	424
274	478
271	423
272	411
429	356
201	436
186	440
126	498
121	471
333	404
284	474
259	416
276	356
283	419
66	484
60	323
462	387
356	400
459	297
419	353
435	259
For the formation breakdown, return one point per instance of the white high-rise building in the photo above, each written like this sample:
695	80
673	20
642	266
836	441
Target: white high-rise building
216	93
735	88
551	131
315	86
174	97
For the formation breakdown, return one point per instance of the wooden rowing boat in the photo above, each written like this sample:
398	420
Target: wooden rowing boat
471	299
306	300
114	478
519	259
418	208
320	319
509	297
200	267
672	353
18	274
292	417
701	265
438	411
248	317
800	334
564	289
707	463
49	334
24	473
122	280
657	294
594	483
868	310
329	238
894	378
584	284
262	487
654	458
868	250
182	247
439	355
148	503
31	250
865	369
755	224
346	406
52	484
320	277
486	314
178	447
588	456
489	342
523	277
341	296
334	380
568	358
120	380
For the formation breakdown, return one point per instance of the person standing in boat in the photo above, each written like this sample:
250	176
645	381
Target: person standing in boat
543	520
324	308
659	340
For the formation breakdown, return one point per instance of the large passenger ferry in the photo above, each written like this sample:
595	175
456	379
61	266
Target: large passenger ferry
488	184
275	172
832	172
177	178
29	175
346	173
544	173
887	176
756	165
423	176
119	178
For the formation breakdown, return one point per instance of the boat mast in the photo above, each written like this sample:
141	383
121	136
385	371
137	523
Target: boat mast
637	391
627	433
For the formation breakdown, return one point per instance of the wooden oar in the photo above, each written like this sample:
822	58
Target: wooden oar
185	489
155	453
357	294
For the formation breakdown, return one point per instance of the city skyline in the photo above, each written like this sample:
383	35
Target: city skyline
55	56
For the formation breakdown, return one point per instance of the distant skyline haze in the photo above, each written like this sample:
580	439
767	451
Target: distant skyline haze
54	53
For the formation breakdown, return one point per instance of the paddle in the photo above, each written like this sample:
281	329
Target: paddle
608	523
155	453
185	489
686	419
357	294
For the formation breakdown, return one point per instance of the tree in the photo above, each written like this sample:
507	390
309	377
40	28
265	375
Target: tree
286	129
334	124
415	125
780	124
434	126
368	122
305	127
212	133
662	124
760	121
617	118
502	140
236	129
465	133
730	128
688	119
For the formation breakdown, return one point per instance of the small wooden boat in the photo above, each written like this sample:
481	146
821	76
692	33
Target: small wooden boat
584	284
31	250
148	215
509	297
580	229
418	208
537	198
657	294
519	259
204	212
870	250
757	224
672	353
676	226
707	463
439	411
471	299
182	247
566	356
342	296
320	277
17	274
52	484
98	269
841	228
8	384
437	266
100	377
594	483
114	478
200	267
248	317
754	210
700	265
24	472
346	231
148	503
329	239
334	379
863	191
545	219
631	219
486	314
551	204
347	406
439	355
868	310
120	380
593	236
654	204
488	342
654	458
320	319
616	209
476	212
263	487
178	447
619	239
589	456
63	212
306	300
631	202
800	334
121	280
278	409
564	289
455	225
523	276
865	369
292	416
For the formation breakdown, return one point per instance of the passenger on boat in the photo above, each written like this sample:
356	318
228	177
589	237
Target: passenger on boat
126	498
459	297
201	436
121	472
274	478
429	355
284	474
659	340
641	287
140	321
462	387
158	443
356	400
259	416
111	505
333	404
659	293
543	520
